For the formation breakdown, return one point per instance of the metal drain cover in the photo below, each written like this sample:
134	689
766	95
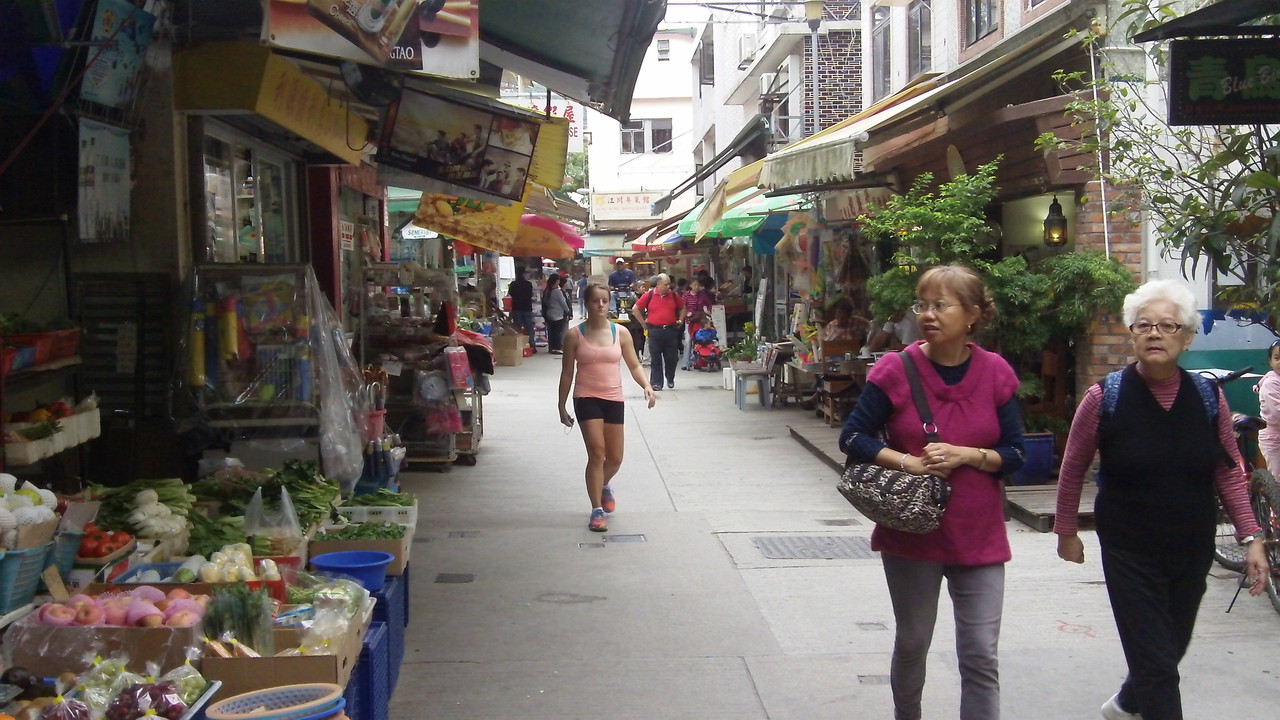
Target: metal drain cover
624	538
464	533
842	522
814	547
455	578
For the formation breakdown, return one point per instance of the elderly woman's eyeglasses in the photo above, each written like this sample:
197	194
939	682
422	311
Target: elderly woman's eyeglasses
920	308
1166	328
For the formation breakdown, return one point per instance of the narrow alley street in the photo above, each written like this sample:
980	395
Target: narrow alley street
688	607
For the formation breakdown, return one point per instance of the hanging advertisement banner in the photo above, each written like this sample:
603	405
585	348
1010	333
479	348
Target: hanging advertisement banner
123	34
105	170
483	224
397	34
462	145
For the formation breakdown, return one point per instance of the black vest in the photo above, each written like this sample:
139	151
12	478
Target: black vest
1159	466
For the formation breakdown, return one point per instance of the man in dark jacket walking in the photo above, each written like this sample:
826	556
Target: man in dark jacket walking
521	293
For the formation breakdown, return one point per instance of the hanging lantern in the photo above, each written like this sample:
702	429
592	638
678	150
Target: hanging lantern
1055	225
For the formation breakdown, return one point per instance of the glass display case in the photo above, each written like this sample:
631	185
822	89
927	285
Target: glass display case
249	202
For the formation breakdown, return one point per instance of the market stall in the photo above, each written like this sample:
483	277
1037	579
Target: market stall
183	600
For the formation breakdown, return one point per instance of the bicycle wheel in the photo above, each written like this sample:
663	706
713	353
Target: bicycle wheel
1264	493
1227	550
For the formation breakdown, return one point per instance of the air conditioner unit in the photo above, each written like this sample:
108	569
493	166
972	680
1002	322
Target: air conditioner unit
746	49
769	85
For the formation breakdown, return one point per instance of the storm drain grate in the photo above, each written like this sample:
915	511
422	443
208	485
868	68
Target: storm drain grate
624	538
455	578
709	387
872	626
873	679
423	539
464	533
814	547
591	546
841	522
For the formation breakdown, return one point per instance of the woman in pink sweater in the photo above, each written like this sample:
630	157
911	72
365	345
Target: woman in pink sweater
971	395
594	350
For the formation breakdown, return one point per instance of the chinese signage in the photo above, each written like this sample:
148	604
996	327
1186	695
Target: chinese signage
1224	82
346	235
427	36
485	152
623	206
105	171
849	204
123	32
562	108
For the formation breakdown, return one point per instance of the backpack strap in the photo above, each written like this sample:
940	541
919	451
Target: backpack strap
1110	394
1208	396
1204	386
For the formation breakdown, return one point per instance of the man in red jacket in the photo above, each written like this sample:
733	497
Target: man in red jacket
661	311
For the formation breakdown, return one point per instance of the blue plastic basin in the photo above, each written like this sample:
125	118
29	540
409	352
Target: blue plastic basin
367	566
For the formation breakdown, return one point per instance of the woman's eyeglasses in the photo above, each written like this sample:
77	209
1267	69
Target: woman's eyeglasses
919	307
1166	328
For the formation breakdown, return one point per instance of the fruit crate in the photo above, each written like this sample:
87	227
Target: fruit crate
62	553
406	515
20	576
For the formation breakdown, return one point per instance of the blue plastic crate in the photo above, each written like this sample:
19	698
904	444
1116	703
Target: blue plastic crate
404	579
62	553
20	575
354	694
374	674
390	610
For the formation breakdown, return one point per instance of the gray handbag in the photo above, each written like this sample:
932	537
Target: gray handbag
895	498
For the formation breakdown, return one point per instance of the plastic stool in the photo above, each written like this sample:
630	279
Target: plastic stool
762	388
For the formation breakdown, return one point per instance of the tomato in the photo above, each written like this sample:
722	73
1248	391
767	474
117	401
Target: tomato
108	547
89	548
121	538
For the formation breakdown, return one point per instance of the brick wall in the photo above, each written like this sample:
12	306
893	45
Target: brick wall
1107	345
839	77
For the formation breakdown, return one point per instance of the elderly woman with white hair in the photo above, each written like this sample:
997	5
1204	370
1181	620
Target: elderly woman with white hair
1166	445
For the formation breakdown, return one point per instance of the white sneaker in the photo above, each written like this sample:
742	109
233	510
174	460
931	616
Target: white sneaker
1111	711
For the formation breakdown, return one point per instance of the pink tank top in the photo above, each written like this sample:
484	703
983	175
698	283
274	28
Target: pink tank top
598	374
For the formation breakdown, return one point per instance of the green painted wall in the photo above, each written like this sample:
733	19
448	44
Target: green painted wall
1240	394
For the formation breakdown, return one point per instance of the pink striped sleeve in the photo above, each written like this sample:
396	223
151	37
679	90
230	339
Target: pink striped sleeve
1232	484
1082	444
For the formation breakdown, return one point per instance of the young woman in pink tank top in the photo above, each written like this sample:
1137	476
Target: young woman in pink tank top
592	352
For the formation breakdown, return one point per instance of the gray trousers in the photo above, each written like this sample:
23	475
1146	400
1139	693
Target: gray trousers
977	596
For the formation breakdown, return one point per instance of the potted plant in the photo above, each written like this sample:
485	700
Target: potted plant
748	348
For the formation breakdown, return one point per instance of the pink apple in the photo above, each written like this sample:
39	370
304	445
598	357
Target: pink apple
182	618
179	593
116	612
90	614
56	614
75	601
151	621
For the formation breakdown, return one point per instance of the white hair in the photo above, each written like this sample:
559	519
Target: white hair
1170	291
661	278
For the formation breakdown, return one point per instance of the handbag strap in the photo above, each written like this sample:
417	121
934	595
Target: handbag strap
917	395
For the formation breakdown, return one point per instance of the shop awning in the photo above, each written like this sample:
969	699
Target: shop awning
589	51
1220	18
755	129
832	155
746	213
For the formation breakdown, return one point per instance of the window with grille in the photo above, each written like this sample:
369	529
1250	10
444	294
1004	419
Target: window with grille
919	38
880	41
664	50
654	135
982	17
633	137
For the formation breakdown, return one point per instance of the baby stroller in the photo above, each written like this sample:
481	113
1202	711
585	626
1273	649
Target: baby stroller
706	354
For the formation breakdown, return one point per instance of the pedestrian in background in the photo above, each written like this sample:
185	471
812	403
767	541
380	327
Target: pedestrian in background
971	394
697	313
556	310
661	312
1269	401
1163	454
521	293
590	369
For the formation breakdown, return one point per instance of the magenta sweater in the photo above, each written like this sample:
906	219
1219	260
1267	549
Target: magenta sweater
973	530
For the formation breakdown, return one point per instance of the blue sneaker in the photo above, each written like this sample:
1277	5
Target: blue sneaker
598	521
607	502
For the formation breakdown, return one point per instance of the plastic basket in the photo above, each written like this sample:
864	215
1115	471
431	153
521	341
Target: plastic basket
374	674
20	576
62	553
275	588
369	567
42	342
287	702
353	695
401	515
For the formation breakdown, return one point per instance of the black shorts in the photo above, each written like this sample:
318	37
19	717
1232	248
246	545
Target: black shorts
593	408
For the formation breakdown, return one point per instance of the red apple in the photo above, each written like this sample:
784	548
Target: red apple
56	614
176	593
90	614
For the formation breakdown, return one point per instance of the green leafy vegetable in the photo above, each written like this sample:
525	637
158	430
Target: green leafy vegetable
364	531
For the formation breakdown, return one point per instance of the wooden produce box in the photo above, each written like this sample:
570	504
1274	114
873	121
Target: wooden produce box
508	350
50	650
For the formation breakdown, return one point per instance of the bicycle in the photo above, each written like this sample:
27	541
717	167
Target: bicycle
1264	498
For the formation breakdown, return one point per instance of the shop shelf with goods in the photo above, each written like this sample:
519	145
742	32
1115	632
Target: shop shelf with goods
267	372
407	337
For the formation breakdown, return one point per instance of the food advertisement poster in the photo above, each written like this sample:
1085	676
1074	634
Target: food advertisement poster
121	36
487	225
398	34
465	146
105	172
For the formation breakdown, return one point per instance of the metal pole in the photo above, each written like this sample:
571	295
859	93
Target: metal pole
813	78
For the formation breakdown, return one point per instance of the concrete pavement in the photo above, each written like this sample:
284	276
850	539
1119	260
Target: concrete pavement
679	611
